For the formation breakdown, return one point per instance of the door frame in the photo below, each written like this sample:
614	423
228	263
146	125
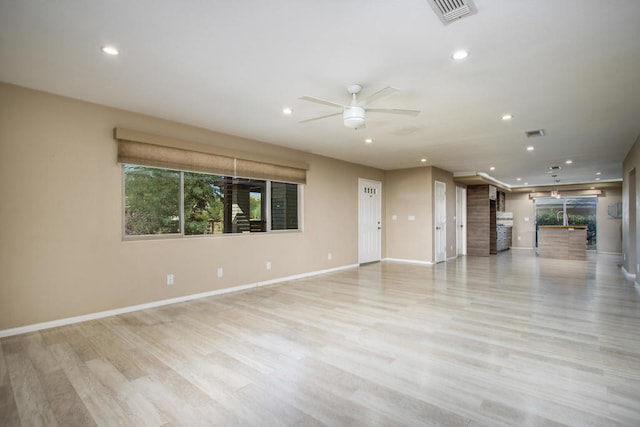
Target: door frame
439	222
461	221
364	255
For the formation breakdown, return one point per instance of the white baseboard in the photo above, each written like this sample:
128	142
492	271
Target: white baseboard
520	248
628	275
99	315
408	261
609	253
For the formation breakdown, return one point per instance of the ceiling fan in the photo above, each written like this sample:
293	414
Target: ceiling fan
354	113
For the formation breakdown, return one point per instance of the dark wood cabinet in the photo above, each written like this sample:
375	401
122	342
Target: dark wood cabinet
484	237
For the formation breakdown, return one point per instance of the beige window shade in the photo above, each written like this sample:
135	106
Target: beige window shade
142	154
162	156
252	169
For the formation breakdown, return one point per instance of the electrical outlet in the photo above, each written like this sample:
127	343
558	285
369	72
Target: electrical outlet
219	271
329	256
169	279
268	265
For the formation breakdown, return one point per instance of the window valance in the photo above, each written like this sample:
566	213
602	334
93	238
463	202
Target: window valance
155	151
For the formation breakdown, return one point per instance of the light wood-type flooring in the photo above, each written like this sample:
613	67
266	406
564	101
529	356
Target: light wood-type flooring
510	340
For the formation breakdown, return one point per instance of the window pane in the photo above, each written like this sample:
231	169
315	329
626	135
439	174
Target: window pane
203	203
243	205
284	206
151	201
578	211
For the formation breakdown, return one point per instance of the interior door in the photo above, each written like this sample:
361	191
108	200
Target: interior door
440	221
461	221
369	220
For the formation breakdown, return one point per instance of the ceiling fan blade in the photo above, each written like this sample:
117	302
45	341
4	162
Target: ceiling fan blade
394	111
321	101
382	93
320	117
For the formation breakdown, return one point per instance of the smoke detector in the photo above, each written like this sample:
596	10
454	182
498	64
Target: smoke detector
452	10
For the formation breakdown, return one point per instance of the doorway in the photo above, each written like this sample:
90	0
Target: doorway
461	219
440	221
369	220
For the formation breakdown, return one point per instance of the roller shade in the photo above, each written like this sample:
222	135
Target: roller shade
139	149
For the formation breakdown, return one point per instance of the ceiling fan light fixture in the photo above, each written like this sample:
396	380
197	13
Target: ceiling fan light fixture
353	116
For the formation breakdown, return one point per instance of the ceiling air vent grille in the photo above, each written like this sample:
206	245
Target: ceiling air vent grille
451	10
534	133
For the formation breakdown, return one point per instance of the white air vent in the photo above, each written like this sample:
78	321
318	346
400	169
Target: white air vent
451	10
534	133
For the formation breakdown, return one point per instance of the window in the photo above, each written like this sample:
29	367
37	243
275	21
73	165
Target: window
167	202
284	206
569	211
203	203
151	203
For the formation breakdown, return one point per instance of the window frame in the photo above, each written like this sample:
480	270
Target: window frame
181	233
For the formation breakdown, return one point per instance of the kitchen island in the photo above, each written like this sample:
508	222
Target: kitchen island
562	242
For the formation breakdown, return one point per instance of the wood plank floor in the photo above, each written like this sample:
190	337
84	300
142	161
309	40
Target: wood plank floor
508	340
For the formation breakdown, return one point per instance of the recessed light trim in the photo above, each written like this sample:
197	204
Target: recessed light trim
287	111
368	140
110	50
569	162
507	117
459	55
492	168
423	160
531	148
598	173
518	179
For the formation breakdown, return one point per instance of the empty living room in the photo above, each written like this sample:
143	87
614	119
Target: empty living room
420	212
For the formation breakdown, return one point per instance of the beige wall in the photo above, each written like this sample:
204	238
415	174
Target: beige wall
62	253
609	239
609	230
410	192
524	219
631	225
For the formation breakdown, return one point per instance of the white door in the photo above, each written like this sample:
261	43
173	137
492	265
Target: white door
461	221
440	221
369	221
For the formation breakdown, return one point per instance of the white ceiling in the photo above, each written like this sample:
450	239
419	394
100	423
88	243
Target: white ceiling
570	67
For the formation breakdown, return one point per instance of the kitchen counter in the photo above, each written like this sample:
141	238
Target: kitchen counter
562	242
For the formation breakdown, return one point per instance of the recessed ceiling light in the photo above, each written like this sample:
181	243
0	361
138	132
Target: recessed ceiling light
110	50
569	162
287	111
526	183
598	173
597	179
507	117
492	168
460	54
368	140
518	179
530	148
423	160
